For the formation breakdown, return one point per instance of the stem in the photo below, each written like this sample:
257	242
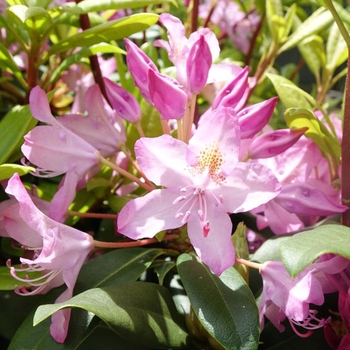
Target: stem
95	66
189	118
92	215
248	263
194	16
252	42
340	24
126	174
345	149
111	245
136	166
139	129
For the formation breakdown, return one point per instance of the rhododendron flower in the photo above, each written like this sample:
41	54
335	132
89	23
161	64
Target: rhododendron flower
203	182
286	297
59	252
72	155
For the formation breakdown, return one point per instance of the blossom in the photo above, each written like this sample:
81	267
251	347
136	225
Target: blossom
203	182
59	252
72	154
285	297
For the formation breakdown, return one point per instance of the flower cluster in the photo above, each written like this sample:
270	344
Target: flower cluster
195	174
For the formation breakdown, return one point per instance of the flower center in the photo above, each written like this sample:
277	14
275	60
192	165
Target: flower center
209	161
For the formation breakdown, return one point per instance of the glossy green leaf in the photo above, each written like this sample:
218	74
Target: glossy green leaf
305	247
37	19
239	240
336	49
105	32
288	92
275	20
118	266
16	123
270	250
162	270
85	52
224	305
139	312
319	20
7	170
301	117
312	50
87	6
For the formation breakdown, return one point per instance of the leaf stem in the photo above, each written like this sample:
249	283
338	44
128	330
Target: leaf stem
248	263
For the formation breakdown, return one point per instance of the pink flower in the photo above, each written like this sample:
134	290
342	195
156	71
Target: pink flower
203	182
59	252
57	150
284	297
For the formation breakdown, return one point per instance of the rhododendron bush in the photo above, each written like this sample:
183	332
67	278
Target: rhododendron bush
174	174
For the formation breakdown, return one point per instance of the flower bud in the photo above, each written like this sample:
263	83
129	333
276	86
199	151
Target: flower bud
197	66
123	102
232	95
253	118
139	64
166	95
274	142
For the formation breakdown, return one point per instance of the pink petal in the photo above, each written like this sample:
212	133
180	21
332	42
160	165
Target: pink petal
216	249
280	220
144	217
70	151
303	199
163	160
247	187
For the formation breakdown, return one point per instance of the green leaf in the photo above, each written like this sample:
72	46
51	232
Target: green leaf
118	266
7	170
224	305
87	6
336	49
301	117
16	123
288	92
8	282
319	20
270	250
305	247
163	269
111	30
312	50
139	312
85	52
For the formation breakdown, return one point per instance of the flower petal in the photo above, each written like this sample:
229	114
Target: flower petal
247	187
216	249
163	160
144	217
